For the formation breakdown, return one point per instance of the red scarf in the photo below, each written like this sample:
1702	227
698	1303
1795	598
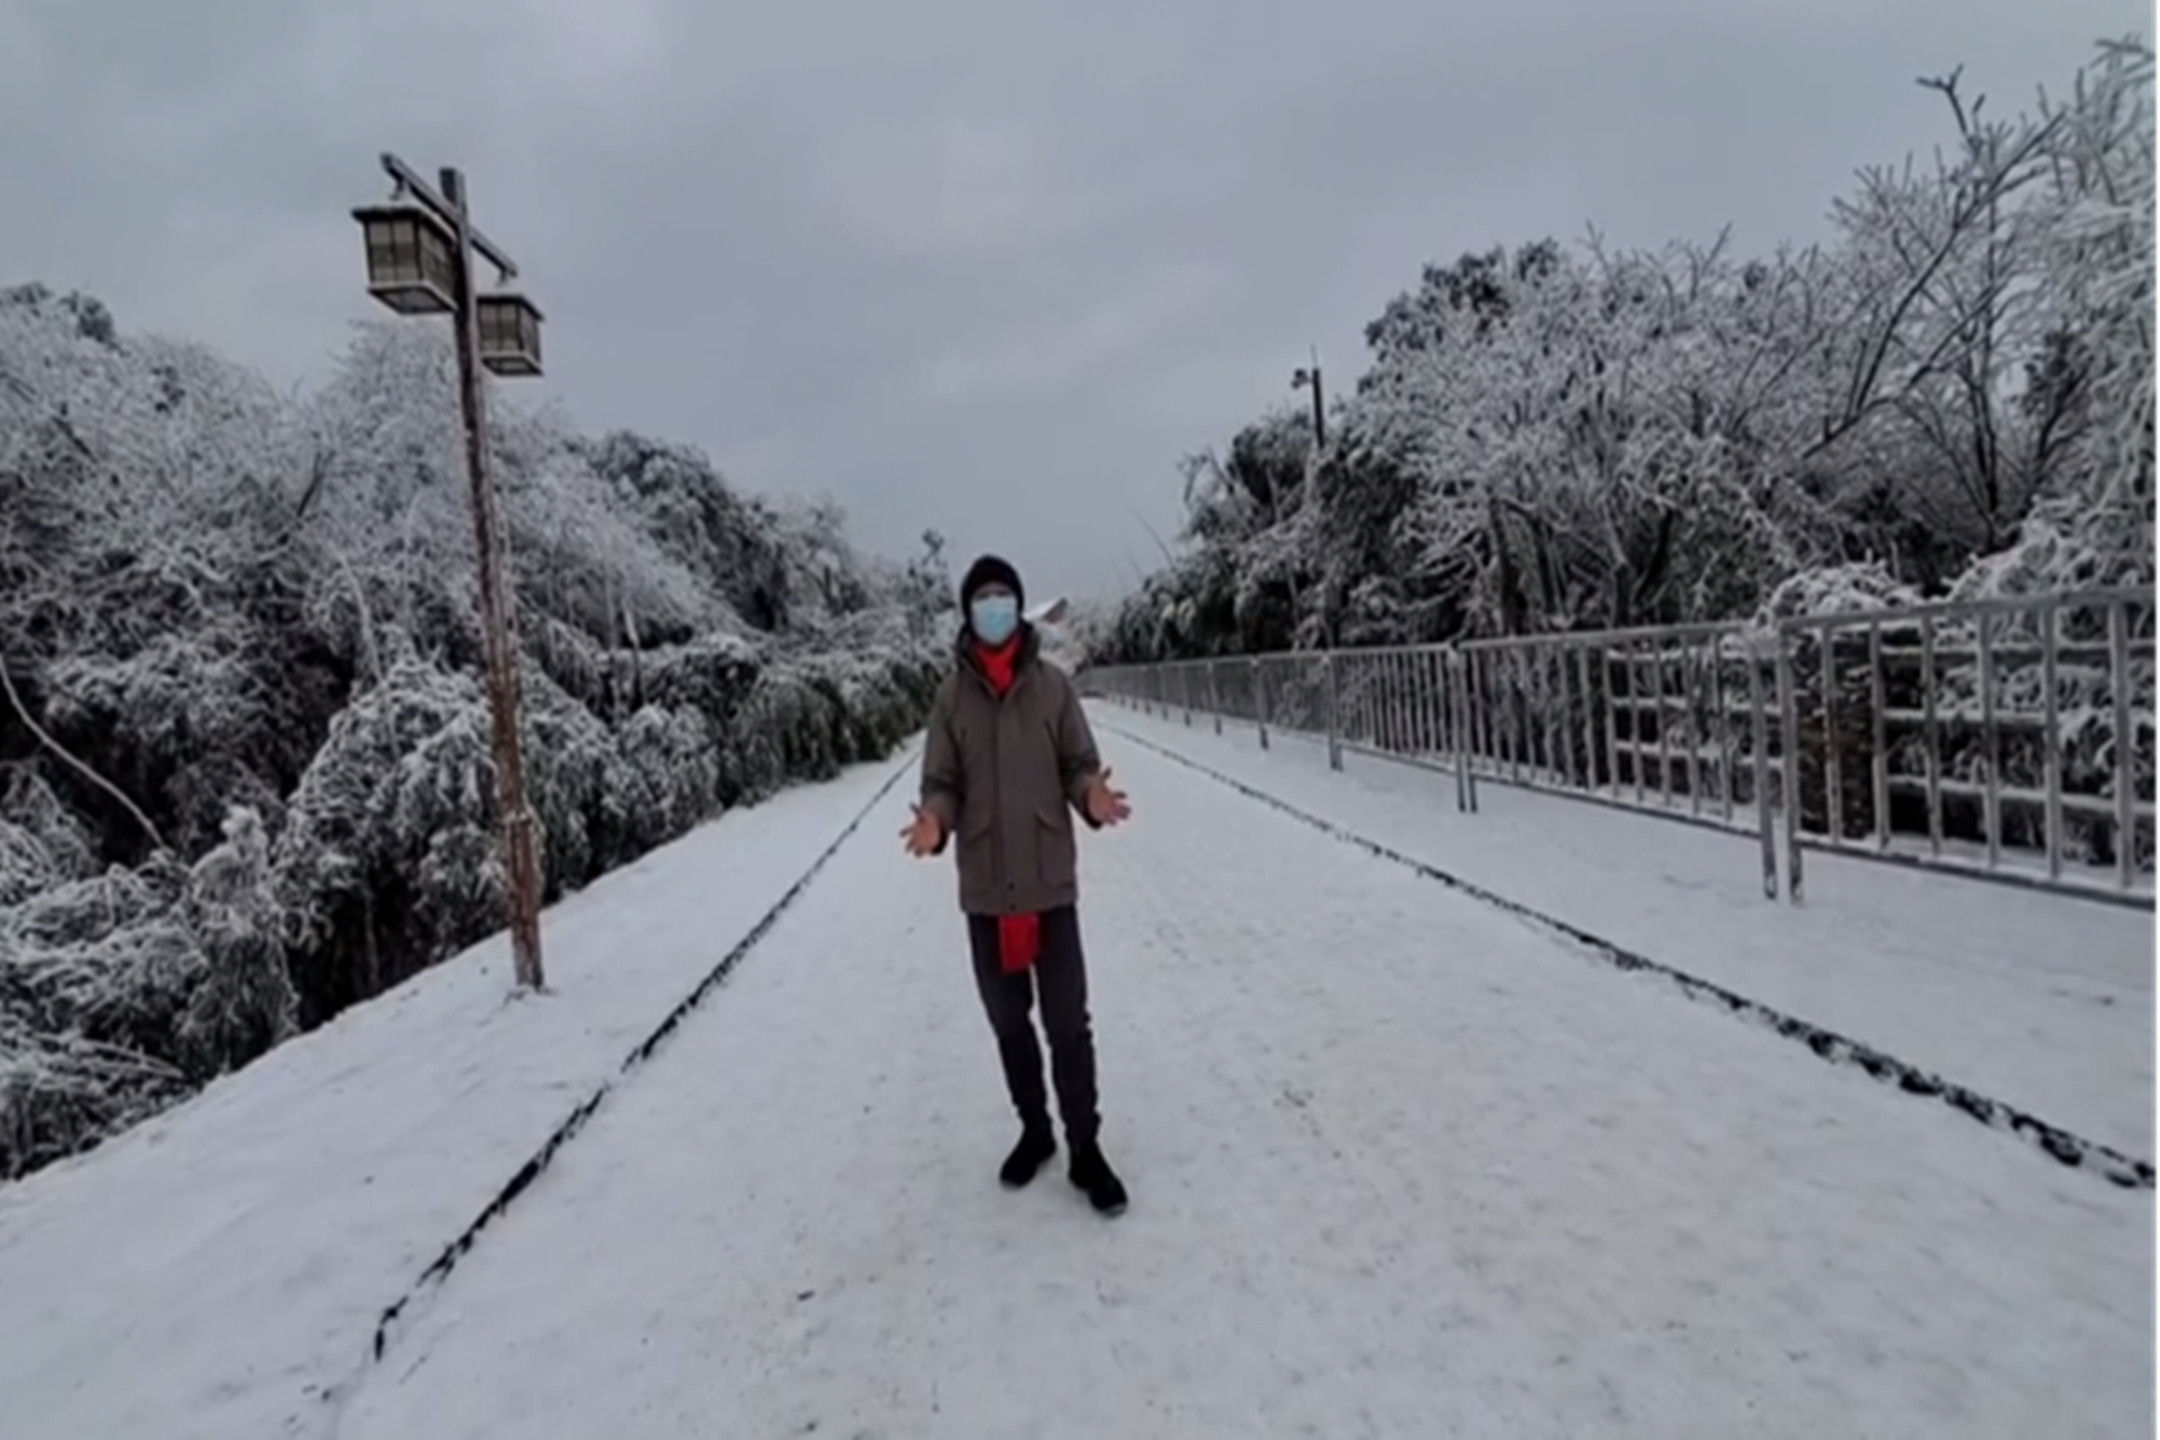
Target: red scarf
1019	936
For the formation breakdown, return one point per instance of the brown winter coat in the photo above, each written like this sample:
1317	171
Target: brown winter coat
1005	778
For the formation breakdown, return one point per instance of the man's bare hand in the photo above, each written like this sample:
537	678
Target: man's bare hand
924	834
1106	805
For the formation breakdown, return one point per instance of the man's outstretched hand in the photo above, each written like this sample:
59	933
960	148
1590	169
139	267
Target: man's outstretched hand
1106	805
924	834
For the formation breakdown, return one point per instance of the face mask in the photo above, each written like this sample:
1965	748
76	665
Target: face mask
994	618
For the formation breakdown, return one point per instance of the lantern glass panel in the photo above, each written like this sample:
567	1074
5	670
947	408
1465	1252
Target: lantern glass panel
437	264
393	250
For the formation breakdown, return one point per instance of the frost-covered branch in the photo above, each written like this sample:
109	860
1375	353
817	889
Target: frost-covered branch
44	738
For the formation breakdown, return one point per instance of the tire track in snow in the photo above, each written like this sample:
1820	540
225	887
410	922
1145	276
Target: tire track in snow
431	1279
2064	1146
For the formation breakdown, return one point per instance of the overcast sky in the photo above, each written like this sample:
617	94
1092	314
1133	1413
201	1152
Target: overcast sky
984	265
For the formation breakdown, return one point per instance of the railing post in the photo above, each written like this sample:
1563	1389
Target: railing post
2051	723
1879	736
1466	797
1638	748
1832	764
1589	722
1931	743
1759	720
1612	717
1334	708
1432	675
1214	694
1470	770
1185	691
1260	698
2125	754
1451	727
1789	790
1990	739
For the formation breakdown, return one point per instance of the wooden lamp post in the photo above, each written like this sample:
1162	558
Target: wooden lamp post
420	246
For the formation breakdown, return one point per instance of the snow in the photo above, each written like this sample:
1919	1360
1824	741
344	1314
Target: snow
2043	1002
1402	1165
202	1274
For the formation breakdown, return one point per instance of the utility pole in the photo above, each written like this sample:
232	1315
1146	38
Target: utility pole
1308	378
420	252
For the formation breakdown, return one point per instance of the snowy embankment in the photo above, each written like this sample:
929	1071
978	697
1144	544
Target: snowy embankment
206	1273
2037	1001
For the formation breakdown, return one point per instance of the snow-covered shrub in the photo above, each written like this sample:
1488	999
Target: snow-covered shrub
145	718
1834	590
2049	556
42	843
711	676
243	1001
60	1093
785	727
95	980
571	765
120	992
736	546
883	699
810	715
386	864
104	956
668	778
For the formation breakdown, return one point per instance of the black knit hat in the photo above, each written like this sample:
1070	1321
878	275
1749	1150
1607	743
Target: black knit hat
990	570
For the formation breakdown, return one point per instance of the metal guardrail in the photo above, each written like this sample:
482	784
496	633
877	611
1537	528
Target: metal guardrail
2009	739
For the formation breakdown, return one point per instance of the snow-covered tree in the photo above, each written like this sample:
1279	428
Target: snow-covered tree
1955	392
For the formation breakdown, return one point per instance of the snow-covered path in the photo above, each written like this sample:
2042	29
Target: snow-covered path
2039	1001
1401	1166
206	1274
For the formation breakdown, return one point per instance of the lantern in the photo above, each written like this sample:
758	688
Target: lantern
411	258
509	334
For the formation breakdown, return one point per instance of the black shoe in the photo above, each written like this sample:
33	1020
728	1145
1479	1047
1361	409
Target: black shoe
1034	1151
1092	1174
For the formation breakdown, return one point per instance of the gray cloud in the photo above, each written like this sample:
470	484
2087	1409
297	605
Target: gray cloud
983	265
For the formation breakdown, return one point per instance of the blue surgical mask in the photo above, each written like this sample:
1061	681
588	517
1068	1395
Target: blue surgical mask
994	618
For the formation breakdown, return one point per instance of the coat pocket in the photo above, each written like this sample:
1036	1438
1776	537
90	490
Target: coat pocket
1056	855
977	843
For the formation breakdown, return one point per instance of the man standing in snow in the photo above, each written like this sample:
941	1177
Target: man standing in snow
1008	762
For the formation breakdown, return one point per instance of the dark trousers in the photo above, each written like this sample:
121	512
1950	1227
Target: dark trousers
1060	974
